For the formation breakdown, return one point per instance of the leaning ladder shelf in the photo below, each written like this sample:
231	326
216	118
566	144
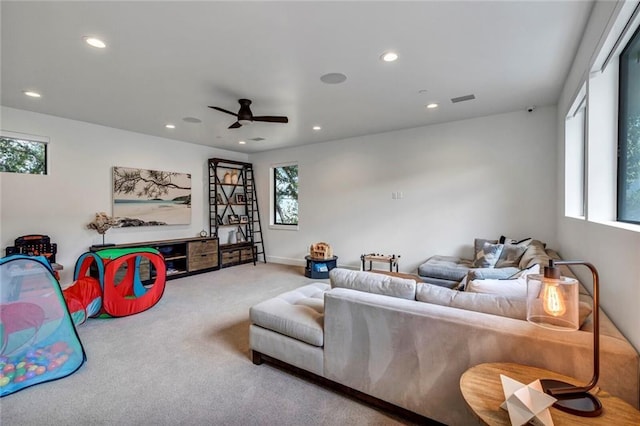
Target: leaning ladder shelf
233	209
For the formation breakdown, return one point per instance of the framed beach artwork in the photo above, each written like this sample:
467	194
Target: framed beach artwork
151	197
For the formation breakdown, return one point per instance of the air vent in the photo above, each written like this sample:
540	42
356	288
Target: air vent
463	98
258	139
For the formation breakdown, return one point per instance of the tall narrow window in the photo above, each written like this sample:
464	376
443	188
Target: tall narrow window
629	133
22	154
575	157
285	195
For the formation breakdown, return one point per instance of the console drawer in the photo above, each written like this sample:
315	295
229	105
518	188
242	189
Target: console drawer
202	261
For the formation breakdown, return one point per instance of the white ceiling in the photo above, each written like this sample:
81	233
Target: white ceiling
168	60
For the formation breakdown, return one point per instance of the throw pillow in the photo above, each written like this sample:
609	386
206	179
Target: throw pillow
512	252
478	243
488	256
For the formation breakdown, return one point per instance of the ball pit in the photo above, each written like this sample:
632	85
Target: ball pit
33	363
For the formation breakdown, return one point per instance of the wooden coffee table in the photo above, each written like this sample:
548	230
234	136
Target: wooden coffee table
482	390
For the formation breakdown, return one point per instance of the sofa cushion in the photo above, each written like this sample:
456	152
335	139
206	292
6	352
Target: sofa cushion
371	282
445	268
491	273
535	253
488	256
515	288
486	303
298	313
478	302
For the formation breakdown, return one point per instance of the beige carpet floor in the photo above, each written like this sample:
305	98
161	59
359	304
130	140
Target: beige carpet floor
186	361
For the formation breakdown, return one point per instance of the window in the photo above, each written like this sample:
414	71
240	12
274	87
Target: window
285	195
576	158
21	153
629	133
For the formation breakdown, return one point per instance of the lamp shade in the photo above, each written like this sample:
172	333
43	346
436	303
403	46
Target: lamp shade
552	302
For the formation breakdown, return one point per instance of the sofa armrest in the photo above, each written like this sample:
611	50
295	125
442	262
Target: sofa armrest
413	353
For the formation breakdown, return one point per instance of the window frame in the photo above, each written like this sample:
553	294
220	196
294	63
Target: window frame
272	179
24	137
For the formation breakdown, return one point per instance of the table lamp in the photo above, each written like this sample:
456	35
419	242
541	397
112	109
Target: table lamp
552	302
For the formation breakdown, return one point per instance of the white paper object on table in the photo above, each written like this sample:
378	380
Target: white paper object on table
526	403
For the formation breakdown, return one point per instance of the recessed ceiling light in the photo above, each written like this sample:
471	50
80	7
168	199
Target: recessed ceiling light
95	42
333	78
431	106
241	142
191	120
317	128
389	56
170	126
423	91
32	94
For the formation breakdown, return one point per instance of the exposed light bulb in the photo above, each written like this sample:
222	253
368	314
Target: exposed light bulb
553	300
32	94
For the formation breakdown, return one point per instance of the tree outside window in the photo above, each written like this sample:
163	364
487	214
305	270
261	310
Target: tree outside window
23	156
629	133
285	184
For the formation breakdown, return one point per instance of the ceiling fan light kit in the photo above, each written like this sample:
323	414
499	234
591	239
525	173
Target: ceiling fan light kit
245	116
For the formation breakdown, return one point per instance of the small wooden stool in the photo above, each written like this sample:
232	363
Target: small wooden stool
372	257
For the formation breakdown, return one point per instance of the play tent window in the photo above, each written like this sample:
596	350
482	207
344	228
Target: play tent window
20	153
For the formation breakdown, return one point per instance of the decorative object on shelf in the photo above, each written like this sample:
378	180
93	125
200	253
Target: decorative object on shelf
226	178
218	199
321	250
552	302
240	199
233	219
102	223
204	233
219	220
234	177
233	238
244	219
526	403
151	197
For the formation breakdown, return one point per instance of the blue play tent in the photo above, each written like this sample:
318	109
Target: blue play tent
38	341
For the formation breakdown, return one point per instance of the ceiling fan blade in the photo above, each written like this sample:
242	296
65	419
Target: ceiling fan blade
235	125
223	110
271	119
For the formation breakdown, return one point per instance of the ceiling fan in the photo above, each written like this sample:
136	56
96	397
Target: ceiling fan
245	116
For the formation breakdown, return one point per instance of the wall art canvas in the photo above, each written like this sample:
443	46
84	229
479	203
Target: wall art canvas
151	197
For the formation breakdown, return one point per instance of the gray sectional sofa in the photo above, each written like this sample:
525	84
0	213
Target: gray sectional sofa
515	256
408	343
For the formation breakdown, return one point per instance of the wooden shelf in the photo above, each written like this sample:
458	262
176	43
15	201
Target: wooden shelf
182	257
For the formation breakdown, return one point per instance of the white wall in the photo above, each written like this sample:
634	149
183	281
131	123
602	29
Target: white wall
474	178
81	158
614	250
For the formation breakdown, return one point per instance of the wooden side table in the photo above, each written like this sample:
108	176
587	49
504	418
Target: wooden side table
482	390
